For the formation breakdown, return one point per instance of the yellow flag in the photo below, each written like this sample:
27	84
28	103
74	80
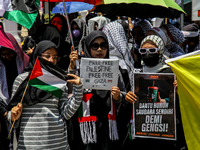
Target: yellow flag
187	71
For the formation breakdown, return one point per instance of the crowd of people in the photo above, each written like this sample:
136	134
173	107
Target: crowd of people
48	122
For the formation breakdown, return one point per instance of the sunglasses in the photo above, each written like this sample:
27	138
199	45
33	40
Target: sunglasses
140	33
150	50
95	46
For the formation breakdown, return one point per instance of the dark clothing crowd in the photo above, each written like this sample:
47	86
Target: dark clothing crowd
81	118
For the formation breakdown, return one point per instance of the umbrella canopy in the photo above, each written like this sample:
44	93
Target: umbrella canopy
140	8
85	1
72	7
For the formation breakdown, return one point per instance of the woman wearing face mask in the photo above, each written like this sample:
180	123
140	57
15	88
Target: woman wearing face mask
79	31
151	50
96	46
42	122
139	32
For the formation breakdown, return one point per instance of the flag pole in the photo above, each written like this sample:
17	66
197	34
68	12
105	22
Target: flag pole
21	103
70	32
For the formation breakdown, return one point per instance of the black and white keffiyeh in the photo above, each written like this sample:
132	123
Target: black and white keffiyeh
100	20
118	48
176	37
144	25
176	34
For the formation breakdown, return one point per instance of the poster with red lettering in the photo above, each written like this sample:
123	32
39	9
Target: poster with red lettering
155	106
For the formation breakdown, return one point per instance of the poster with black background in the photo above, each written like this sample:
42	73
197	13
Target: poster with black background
155	106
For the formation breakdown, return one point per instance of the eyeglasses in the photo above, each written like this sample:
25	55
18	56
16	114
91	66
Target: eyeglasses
55	58
102	45
140	33
150	50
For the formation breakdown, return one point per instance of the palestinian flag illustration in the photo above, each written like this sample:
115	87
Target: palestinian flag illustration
47	78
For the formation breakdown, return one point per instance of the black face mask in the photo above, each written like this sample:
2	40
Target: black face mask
150	59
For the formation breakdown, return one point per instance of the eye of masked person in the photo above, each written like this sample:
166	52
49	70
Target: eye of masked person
47	57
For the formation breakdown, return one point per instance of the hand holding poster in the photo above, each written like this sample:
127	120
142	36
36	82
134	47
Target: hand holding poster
155	109
99	74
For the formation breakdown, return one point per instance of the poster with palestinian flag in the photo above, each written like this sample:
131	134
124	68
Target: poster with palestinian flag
48	77
195	10
22	12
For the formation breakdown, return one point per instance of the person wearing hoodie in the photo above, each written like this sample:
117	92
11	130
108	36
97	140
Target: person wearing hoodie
12	62
79	31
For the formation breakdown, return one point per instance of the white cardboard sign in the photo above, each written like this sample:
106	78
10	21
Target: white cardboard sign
101	74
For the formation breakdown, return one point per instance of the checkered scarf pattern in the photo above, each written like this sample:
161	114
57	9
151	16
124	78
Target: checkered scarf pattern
118	48
160	44
157	40
176	33
145	25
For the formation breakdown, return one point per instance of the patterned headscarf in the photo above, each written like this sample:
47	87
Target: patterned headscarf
174	33
101	21
119	49
163	34
144	25
157	40
176	37
160	44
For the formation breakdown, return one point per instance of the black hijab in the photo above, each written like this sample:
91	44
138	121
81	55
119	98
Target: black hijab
100	98
33	95
11	69
90	38
51	33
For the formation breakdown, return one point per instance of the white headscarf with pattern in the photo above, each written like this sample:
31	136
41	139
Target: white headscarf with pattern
119	49
160	44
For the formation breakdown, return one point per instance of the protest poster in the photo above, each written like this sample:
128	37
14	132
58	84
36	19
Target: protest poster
155	107
101	74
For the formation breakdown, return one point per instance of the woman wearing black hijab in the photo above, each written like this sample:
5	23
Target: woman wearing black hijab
43	113
96	46
50	32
